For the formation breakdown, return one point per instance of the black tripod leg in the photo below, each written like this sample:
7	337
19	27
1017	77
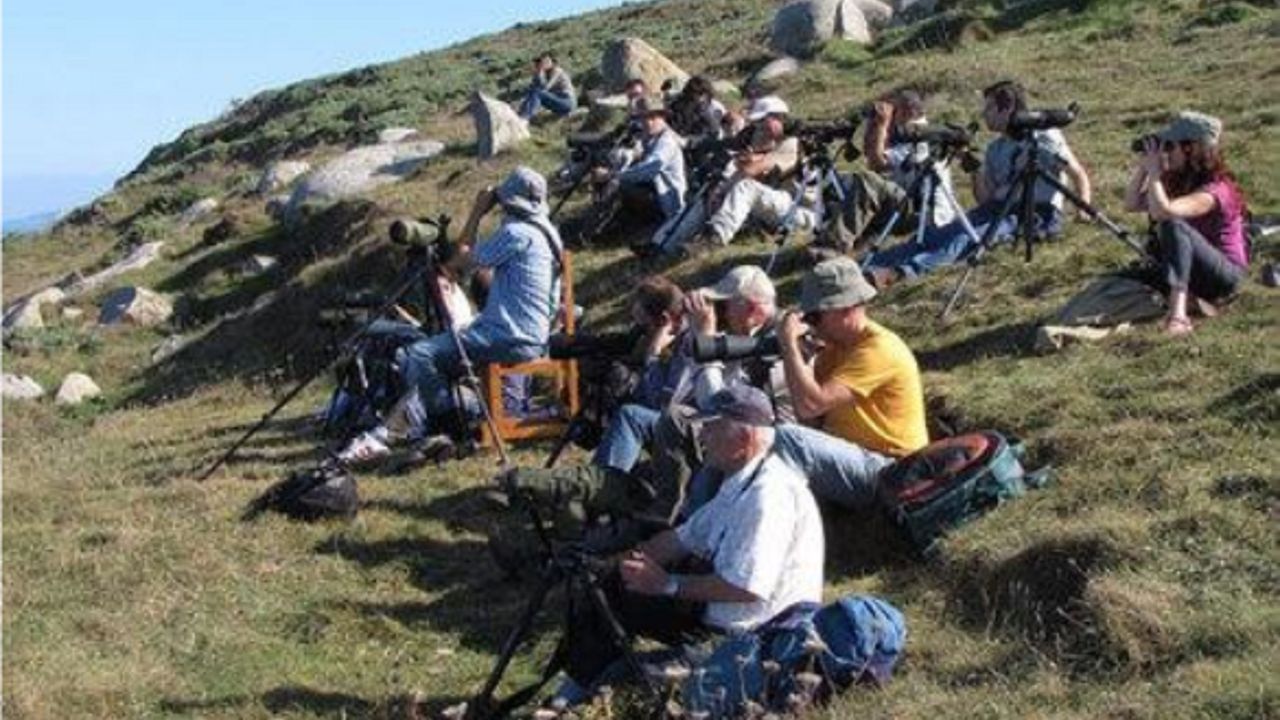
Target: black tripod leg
1095	214
1020	188
616	631
482	705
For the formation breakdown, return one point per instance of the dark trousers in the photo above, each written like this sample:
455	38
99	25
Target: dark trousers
1190	262
590	648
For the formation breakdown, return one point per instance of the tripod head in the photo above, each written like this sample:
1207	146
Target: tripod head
817	135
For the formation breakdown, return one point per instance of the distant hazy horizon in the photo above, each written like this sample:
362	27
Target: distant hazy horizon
28	195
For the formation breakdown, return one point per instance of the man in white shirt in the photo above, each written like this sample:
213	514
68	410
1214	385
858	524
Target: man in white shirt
759	543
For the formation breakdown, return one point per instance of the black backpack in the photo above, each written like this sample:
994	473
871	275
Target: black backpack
326	491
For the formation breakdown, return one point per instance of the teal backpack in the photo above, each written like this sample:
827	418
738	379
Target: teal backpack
952	481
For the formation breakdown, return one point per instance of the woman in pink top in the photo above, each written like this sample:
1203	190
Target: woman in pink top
1182	183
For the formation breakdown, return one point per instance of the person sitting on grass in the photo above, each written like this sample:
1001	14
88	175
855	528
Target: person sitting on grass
863	386
523	256
651	188
551	88
992	183
750	553
1184	186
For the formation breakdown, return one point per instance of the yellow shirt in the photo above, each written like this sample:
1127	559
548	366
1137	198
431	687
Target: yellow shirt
887	414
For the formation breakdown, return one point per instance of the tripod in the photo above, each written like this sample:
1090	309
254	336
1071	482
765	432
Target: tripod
817	174
1022	199
577	569
921	194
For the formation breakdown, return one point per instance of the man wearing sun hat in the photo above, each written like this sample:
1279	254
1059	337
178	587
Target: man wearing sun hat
864	385
658	176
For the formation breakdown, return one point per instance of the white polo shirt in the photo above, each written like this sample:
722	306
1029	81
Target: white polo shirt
762	533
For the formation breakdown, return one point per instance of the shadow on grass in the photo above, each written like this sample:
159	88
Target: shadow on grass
1254	402
1012	340
862	543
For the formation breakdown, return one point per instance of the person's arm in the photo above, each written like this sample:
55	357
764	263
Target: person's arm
809	398
484	201
1078	176
1135	194
983	191
642	573
876	140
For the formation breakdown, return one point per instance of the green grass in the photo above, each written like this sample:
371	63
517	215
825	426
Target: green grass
1142	583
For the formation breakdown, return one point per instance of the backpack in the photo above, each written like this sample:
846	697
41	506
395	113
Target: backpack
952	481
325	491
858	639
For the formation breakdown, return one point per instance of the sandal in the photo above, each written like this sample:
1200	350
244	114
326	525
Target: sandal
1176	327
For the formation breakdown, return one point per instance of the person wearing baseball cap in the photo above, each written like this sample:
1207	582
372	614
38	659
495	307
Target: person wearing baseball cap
760	539
1181	182
864	385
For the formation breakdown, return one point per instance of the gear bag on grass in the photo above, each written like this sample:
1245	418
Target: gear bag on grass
809	651
326	491
952	481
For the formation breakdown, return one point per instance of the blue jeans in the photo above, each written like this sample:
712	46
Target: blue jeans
629	432
538	98
432	365
838	471
950	243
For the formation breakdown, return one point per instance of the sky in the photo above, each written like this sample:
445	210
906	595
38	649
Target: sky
89	86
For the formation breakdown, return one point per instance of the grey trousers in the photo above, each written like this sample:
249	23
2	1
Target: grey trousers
1190	262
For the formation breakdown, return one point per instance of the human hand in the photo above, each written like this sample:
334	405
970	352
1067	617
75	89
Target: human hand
640	574
882	111
790	330
1152	160
661	335
701	311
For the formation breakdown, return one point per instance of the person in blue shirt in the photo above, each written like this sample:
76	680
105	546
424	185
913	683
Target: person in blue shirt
523	259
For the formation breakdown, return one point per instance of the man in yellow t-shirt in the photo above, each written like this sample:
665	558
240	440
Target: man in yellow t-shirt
864	385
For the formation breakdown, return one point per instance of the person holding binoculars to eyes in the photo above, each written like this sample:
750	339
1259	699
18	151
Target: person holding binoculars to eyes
1182	183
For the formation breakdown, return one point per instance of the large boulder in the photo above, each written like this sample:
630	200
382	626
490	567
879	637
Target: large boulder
800	28
28	313
138	258
137	306
397	134
281	174
498	126
198	210
631	58
76	388
362	169
877	12
20	387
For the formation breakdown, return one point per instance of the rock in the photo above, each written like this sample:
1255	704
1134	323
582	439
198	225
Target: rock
171	346
630	58
907	11
27	314
198	210
225	229
72	313
775	69
281	174
137	306
20	387
878	13
397	134
76	388
726	90
256	264
498	126
362	169
140	257
801	27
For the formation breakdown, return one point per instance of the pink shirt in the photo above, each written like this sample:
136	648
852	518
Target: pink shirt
1223	226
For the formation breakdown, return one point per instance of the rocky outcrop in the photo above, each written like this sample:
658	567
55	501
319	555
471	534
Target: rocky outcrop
498	126
630	58
800	28
198	210
76	388
137	306
138	258
20	387
281	174
878	13
360	170
779	68
28	314
396	135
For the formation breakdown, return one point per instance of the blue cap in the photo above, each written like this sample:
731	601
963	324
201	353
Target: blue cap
741	403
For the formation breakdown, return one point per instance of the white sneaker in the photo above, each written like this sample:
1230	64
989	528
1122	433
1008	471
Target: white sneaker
366	448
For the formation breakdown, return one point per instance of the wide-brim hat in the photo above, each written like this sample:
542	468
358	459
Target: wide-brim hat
1192	126
523	192
834	284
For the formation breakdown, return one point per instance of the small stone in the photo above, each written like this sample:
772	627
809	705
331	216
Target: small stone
20	387
138	258
168	348
76	388
775	69
135	305
281	174
198	210
256	264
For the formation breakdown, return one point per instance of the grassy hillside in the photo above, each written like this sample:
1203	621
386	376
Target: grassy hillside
1142	584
